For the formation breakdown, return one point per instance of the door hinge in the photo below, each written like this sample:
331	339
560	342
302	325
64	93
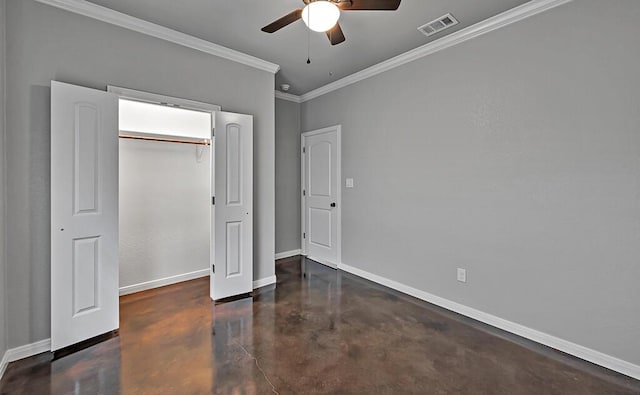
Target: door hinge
213	200
213	132
304	192
304	150
304	235
213	268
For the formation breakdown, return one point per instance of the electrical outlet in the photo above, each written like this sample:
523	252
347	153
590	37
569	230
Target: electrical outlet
462	275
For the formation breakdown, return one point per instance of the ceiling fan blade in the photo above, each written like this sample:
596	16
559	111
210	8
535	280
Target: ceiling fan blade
335	35
370	5
282	22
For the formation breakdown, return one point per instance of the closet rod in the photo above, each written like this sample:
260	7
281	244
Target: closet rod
166	140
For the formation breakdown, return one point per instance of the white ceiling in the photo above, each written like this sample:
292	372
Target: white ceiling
372	36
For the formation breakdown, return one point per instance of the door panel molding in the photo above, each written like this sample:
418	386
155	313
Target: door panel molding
84	214
233	182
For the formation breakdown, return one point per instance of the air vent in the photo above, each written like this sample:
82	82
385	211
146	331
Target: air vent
440	24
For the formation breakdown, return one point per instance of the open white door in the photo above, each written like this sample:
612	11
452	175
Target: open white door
212	235
233	274
84	214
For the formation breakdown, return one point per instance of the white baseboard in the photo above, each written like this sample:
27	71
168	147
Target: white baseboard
323	261
3	364
26	351
263	282
287	254
593	356
129	289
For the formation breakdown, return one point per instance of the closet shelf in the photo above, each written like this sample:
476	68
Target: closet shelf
165	139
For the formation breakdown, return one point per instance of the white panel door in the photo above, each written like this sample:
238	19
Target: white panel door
212	226
84	214
233	274
321	194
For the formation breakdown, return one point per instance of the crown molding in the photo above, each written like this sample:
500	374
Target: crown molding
108	15
506	18
288	96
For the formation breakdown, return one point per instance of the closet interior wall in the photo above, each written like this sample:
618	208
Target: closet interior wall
164	212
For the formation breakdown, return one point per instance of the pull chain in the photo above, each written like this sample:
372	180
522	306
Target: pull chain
309	38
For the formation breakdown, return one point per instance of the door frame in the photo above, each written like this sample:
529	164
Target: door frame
304	241
154	98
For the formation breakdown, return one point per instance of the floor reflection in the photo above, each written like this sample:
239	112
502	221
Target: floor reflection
164	334
95	370
318	331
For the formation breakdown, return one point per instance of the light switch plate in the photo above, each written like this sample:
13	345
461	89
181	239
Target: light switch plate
349	183
462	275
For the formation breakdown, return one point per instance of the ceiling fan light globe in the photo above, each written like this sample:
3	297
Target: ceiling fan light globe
320	15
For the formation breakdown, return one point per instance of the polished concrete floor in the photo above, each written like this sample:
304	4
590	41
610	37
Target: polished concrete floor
318	331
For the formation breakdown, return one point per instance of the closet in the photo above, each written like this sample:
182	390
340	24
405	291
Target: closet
165	215
133	207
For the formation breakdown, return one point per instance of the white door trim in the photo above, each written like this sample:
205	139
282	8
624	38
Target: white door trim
132	94
338	130
155	98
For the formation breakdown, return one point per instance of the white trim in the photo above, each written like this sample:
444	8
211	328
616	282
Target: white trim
596	357
288	96
303	221
263	282
323	261
288	254
303	136
28	350
321	131
3	192
113	17
132	94
513	15
4	362
161	282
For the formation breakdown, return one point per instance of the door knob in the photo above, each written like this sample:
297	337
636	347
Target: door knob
333	204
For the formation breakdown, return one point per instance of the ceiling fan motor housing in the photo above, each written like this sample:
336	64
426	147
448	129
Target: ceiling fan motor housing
331	27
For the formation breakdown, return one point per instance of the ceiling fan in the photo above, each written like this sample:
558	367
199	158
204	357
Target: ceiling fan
323	15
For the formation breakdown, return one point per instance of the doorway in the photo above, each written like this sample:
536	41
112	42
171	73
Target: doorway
85	134
321	195
165	189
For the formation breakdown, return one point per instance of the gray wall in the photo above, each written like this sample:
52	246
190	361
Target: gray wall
165	210
3	287
287	176
514	155
45	43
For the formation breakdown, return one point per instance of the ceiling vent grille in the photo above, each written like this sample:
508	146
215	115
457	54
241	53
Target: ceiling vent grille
440	24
